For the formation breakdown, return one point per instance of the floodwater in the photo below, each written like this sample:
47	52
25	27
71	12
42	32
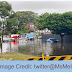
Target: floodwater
38	47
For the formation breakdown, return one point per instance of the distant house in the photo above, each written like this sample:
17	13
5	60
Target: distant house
45	31
30	26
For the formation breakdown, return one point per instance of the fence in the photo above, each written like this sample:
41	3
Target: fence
66	38
64	57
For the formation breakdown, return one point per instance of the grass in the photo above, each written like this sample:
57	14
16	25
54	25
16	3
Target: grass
15	56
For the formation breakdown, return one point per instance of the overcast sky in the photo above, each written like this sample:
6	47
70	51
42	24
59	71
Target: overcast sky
42	6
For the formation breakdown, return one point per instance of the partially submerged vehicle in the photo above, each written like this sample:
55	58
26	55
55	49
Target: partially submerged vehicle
14	37
52	40
30	36
17	37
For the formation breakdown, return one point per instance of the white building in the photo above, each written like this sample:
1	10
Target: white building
46	30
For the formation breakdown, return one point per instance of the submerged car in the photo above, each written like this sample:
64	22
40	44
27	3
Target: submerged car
52	40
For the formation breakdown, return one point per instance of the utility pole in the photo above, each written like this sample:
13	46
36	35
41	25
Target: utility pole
34	38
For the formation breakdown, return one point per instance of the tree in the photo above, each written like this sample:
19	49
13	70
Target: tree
23	29
25	16
58	23
5	8
12	22
6	11
6	5
41	21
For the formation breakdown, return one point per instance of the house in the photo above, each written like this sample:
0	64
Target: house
45	31
30	26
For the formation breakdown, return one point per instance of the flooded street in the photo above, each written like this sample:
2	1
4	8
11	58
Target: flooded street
38	47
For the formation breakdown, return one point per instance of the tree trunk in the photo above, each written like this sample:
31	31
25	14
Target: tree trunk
62	35
61	39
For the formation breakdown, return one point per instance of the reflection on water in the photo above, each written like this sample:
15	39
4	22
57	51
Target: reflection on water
38	47
5	47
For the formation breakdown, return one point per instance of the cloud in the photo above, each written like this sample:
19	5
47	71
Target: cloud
46	10
40	11
53	10
42	6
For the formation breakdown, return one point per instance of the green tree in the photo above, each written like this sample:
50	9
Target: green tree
23	29
6	5
41	21
57	23
25	16
12	22
5	8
